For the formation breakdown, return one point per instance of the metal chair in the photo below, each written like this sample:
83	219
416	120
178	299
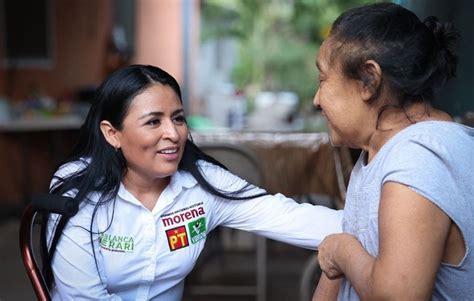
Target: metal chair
29	242
242	162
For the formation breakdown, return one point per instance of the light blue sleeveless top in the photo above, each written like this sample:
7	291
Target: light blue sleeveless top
435	159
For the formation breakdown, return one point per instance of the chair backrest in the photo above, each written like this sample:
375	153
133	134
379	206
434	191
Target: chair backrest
28	237
27	249
239	160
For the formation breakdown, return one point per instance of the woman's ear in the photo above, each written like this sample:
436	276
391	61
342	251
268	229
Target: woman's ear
371	80
110	133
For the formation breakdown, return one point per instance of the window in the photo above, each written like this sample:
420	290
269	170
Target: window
27	33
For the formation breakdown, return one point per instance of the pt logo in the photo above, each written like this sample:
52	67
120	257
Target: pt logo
197	230
177	238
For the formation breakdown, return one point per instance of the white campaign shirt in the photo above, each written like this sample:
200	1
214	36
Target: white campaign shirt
146	255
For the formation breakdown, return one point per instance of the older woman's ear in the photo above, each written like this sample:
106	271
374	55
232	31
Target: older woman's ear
371	80
111	134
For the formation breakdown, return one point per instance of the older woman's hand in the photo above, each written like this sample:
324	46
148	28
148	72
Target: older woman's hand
328	254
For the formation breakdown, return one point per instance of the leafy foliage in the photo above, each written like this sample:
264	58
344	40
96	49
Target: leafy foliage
278	39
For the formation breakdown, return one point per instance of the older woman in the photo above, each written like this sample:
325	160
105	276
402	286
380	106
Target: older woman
409	231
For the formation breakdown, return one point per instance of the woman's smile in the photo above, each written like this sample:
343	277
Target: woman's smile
169	153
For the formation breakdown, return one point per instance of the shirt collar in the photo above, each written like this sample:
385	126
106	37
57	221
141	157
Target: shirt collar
179	180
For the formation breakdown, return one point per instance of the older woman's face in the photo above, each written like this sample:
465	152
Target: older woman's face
154	133
340	100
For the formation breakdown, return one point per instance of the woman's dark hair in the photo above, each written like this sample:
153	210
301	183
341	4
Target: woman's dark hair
416	57
102	166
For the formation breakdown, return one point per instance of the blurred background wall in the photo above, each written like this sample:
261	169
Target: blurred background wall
242	66
83	41
458	97
73	49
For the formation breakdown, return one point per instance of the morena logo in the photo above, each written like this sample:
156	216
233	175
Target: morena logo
179	218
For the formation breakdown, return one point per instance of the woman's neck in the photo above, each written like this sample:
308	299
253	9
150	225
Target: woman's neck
147	191
393	120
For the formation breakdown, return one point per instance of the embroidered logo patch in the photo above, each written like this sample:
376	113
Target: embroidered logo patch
197	229
183	215
177	238
116	243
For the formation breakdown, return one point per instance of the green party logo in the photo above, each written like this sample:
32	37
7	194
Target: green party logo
197	229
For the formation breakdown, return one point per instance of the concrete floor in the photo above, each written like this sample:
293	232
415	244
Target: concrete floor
284	270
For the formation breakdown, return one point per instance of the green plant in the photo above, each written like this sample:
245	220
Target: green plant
279	39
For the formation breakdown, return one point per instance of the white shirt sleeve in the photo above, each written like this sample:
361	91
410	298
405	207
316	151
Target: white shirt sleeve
273	216
75	272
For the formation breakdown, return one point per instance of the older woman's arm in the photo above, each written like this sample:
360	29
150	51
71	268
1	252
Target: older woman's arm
327	289
412	236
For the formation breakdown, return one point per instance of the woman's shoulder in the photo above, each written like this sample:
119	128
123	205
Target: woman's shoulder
430	142
443	136
72	167
218	176
207	166
67	170
439	129
210	170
